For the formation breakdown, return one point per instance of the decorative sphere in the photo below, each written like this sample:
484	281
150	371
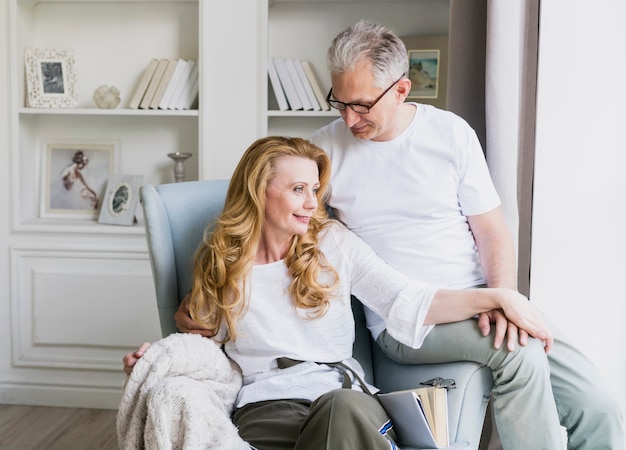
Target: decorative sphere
106	97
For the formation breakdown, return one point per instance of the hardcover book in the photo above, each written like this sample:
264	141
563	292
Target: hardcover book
321	98
277	88
293	73
154	83
419	416
143	84
163	83
288	85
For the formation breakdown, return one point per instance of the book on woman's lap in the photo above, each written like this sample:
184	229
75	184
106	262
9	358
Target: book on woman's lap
419	416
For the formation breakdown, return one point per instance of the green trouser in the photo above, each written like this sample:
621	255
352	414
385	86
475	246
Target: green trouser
342	419
533	393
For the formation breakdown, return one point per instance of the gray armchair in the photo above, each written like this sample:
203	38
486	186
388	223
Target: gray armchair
175	218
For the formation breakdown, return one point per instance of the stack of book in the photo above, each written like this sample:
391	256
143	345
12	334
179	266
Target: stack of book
167	84
295	86
419	416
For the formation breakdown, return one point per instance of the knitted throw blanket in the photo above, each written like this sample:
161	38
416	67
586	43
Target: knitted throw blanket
180	396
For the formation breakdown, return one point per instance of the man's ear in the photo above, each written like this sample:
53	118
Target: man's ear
403	88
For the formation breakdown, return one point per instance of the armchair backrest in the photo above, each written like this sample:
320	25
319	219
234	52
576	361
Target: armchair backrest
176	216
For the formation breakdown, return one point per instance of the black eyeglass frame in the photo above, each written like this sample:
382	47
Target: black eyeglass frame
341	106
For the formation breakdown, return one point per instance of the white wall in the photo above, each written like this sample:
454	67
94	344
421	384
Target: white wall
578	267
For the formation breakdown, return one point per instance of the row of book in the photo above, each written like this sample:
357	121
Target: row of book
167	84
295	86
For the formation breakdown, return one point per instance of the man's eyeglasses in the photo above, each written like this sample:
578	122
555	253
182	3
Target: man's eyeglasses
357	107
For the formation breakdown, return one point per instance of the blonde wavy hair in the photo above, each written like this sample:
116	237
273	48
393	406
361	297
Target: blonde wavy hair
224	259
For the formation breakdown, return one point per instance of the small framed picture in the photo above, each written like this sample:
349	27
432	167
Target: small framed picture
50	78
74	177
424	73
120	199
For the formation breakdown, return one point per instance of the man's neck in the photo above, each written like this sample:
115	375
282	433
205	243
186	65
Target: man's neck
403	119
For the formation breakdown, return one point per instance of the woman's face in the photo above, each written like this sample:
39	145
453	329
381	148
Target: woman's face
291	197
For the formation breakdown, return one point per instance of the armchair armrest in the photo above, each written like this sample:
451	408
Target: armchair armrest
467	403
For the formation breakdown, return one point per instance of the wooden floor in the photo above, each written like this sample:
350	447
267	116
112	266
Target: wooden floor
48	428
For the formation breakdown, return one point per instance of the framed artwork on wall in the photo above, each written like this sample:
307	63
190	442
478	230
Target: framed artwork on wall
120	200
50	78
428	68
74	177
424	73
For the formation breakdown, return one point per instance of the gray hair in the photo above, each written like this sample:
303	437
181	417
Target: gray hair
374	42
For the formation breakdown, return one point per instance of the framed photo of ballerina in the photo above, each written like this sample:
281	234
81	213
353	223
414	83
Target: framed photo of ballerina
74	176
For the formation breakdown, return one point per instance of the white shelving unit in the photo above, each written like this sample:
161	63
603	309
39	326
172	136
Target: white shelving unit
80	294
250	31
113	42
303	29
77	295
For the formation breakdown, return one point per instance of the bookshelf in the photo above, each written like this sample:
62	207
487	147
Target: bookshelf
77	294
318	21
297	29
113	43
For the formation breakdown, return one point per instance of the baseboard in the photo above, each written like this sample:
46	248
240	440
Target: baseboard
71	397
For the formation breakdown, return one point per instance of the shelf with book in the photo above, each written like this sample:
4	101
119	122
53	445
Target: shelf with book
315	23
108	112
96	32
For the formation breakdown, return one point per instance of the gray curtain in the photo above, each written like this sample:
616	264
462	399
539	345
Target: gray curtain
492	84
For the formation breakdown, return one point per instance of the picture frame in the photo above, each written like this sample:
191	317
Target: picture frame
430	42
50	78
120	200
424	67
74	177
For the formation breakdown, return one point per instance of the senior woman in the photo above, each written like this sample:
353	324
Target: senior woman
273	281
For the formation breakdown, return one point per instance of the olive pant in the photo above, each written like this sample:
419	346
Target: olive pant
342	419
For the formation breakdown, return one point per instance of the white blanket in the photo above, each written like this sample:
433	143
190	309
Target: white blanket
180	395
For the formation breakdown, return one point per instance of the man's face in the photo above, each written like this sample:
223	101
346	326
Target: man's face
358	87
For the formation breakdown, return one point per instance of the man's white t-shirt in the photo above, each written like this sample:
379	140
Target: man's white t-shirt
408	198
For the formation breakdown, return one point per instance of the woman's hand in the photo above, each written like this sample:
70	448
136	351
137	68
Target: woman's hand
130	359
525	316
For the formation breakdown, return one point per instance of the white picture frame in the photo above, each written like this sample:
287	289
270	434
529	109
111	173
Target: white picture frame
50	78
74	176
120	200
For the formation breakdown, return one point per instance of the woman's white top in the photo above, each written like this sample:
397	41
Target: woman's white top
273	328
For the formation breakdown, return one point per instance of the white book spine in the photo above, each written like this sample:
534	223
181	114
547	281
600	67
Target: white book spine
307	86
277	88
181	65
165	80
293	73
182	82
321	98
192	93
287	83
187	89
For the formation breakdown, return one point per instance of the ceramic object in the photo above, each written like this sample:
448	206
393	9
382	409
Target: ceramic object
106	97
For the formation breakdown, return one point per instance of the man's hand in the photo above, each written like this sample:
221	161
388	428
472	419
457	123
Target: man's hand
503	328
185	323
